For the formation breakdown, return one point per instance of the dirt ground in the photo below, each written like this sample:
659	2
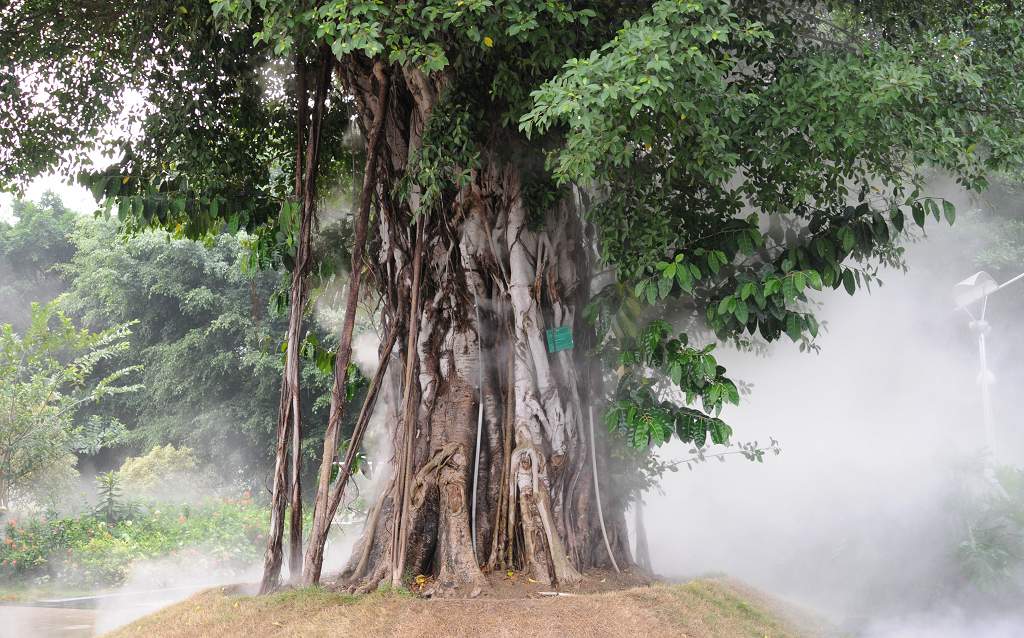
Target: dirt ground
710	608
516	585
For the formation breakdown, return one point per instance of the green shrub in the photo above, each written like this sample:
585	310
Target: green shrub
992	553
163	473
87	551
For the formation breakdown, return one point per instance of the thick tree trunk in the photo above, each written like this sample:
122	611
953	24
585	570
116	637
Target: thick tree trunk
535	509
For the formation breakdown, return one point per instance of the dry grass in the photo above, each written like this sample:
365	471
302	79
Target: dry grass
709	608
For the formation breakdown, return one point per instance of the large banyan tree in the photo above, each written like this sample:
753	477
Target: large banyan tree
561	207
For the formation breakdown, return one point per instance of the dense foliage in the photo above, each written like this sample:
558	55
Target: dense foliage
206	330
49	373
164	473
743	153
38	239
728	160
87	551
206	333
991	552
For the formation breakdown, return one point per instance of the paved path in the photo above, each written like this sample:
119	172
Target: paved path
86	616
45	622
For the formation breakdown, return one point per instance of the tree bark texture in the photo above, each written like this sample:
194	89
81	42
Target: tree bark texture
329	496
528	271
289	425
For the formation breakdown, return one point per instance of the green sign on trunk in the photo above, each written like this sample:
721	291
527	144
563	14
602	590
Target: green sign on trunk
560	339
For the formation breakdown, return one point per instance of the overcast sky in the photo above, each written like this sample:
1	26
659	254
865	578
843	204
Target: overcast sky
75	197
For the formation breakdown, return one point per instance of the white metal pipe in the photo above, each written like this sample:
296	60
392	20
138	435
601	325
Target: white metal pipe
479	419
984	375
986	397
1007	283
597	488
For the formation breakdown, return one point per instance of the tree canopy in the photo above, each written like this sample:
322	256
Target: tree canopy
737	153
720	160
39	239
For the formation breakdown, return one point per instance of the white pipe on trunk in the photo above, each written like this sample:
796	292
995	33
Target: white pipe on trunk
597	488
479	419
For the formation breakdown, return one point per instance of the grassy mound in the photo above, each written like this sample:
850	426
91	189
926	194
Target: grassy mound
700	608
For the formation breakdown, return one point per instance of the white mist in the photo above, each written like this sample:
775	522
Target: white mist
853	518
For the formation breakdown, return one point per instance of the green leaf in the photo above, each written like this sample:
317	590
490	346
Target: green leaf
812	325
684	278
848	281
799	282
813	279
918	211
848	239
664	287
713	263
742	313
723	306
949	210
793	327
897	219
720	432
789	291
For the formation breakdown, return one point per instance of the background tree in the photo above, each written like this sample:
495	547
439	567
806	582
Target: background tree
208	330
720	160
208	324
45	379
38	239
205	333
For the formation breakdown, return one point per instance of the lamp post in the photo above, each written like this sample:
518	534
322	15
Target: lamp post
978	288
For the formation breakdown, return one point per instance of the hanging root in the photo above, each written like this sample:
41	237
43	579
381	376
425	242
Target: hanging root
429	472
357	566
458	573
535	504
373	581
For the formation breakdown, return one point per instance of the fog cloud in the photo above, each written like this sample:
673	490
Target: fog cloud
880	432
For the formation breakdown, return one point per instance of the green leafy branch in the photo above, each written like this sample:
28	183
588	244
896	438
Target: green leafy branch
661	377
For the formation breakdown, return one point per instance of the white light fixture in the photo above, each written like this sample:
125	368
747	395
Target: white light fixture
976	287
979	287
